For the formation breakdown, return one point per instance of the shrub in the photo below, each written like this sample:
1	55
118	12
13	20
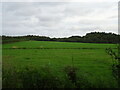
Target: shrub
116	63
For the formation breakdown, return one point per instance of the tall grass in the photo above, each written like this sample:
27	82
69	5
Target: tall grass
30	77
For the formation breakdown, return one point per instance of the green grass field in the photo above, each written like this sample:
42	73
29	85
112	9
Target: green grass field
90	59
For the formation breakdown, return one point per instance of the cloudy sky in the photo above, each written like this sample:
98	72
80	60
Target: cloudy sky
59	19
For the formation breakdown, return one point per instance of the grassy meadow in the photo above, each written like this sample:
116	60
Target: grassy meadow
91	60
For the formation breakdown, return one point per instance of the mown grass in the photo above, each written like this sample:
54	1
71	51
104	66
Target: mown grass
93	65
50	44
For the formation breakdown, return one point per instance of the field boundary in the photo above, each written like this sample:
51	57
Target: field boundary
56	48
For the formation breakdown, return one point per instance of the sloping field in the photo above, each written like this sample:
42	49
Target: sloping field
91	60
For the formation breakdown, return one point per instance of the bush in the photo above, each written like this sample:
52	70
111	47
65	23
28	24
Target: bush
116	63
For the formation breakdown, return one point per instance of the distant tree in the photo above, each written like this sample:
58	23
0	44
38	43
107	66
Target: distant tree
93	37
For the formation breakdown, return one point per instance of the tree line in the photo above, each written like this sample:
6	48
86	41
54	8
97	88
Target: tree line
93	37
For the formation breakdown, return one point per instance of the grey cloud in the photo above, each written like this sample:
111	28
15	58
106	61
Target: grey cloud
58	19
113	17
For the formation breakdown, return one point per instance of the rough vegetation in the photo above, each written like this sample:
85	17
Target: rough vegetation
116	62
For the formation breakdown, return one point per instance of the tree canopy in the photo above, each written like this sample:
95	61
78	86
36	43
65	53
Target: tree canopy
93	37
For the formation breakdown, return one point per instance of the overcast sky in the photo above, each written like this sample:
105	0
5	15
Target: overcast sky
57	19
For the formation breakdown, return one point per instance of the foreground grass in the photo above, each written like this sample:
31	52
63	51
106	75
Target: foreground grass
30	77
93	65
